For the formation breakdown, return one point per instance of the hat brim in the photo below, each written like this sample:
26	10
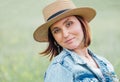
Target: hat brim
41	33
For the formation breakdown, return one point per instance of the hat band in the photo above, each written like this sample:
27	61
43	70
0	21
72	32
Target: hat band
54	15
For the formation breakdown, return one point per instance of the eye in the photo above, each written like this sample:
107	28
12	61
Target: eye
55	31
69	23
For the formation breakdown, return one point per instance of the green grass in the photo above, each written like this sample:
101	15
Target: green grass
19	58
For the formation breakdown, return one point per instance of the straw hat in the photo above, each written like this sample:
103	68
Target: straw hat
58	10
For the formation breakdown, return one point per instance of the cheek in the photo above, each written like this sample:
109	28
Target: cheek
58	38
77	31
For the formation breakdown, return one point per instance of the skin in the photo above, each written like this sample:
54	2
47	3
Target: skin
68	33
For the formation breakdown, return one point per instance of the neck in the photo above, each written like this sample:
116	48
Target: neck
83	52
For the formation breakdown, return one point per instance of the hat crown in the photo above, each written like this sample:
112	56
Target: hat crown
57	6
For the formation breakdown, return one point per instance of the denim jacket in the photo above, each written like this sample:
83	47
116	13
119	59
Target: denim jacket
69	67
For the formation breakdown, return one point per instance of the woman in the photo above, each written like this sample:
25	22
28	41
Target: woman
68	34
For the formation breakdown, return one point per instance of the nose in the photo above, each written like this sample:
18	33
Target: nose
65	33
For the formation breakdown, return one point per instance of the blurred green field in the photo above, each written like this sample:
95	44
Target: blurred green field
19	58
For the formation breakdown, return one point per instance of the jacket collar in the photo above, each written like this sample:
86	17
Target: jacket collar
75	57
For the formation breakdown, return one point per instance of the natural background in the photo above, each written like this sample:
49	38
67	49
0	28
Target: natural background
19	58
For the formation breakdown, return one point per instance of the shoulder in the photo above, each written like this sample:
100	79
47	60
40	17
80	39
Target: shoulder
57	71
59	60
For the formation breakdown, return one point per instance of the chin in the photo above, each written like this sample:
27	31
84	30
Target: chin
72	47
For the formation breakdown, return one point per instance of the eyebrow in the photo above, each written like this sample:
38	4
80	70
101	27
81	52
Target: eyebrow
54	29
63	24
66	21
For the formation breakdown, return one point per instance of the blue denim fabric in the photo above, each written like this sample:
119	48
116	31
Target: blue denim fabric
69	67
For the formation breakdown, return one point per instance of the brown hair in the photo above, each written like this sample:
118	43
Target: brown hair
54	49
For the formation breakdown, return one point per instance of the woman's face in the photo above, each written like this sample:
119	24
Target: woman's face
68	33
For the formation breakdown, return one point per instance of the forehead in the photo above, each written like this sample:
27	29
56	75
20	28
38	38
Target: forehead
63	20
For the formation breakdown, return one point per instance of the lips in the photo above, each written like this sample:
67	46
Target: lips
69	40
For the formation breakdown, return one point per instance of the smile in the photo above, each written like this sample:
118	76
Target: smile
69	40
